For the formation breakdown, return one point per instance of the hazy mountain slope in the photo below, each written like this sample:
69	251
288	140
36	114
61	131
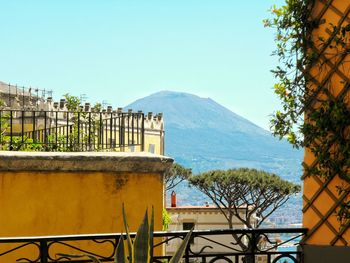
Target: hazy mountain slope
202	134
190	112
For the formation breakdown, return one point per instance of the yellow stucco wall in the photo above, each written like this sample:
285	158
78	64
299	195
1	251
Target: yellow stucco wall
154	143
53	202
156	138
57	203
319	205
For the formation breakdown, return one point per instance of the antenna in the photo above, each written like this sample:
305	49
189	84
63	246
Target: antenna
105	103
49	93
37	98
83	98
9	94
45	92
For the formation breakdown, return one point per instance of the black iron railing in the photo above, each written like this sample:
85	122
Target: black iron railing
240	245
70	131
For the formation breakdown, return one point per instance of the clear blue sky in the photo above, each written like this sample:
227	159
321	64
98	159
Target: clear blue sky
120	51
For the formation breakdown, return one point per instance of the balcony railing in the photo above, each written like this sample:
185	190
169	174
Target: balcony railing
70	131
237	245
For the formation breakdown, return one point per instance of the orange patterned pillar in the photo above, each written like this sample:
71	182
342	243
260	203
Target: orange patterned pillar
327	240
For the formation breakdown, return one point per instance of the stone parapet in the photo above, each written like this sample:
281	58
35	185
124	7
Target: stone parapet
84	161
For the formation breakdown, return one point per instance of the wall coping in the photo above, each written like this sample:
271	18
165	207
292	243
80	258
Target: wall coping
84	161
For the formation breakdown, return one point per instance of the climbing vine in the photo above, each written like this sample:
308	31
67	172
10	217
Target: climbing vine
307	87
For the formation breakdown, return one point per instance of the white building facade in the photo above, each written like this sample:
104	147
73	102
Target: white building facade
207	217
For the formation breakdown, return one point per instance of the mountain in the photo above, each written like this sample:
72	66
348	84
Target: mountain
204	135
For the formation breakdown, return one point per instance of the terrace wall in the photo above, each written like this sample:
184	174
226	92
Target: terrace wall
78	193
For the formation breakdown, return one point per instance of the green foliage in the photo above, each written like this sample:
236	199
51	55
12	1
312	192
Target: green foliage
328	125
325	132
258	193
141	246
97	107
77	139
166	219
29	145
175	175
292	24
18	145
80	137
247	194
3	125
141	249
344	208
73	102
3	121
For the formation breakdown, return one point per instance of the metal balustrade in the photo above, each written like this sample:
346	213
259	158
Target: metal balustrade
70	131
257	246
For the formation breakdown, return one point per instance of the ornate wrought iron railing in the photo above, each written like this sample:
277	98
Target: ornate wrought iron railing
238	245
70	131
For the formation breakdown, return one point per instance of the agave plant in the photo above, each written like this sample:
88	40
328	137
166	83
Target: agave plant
139	250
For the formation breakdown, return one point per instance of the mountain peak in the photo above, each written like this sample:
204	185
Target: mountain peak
173	94
202	134
189	111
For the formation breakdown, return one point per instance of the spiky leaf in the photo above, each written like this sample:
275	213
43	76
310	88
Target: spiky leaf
180	252
141	242
120	252
151	230
127	235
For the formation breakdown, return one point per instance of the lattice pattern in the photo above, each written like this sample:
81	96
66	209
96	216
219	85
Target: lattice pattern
329	80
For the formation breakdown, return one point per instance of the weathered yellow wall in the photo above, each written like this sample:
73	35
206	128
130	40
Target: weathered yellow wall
57	203
319	205
45	194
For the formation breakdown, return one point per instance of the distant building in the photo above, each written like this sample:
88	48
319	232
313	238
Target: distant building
15	97
206	217
33	115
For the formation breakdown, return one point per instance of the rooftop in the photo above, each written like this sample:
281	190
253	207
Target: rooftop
193	207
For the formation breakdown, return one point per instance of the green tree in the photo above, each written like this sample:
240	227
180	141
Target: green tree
3	122
3	126
97	107
257	192
75	137
79	136
175	175
73	102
